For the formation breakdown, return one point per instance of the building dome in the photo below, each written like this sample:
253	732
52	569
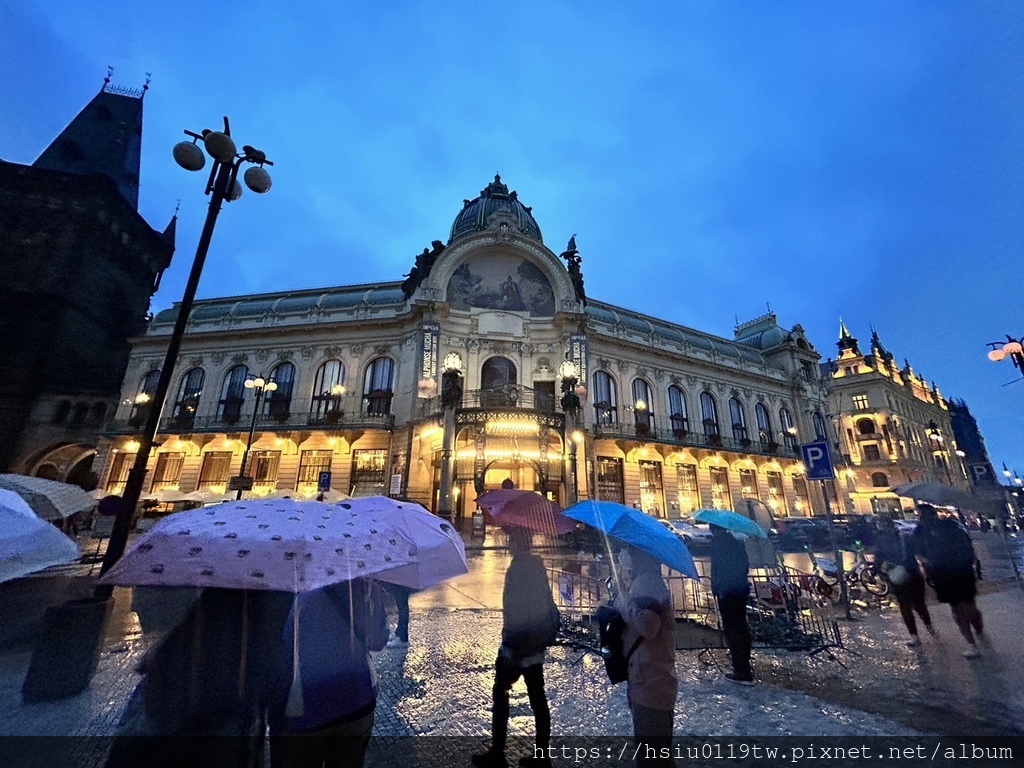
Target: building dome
495	198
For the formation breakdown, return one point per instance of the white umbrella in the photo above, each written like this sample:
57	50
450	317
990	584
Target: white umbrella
27	543
166	496
207	496
283	545
48	498
942	495
440	553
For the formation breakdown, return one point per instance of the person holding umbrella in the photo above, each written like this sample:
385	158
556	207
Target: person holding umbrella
529	625
731	587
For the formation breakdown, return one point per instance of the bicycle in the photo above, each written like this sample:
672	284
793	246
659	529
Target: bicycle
863	574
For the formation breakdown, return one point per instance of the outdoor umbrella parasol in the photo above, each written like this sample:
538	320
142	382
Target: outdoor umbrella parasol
438	548
732	521
27	543
284	545
48	498
515	508
633	527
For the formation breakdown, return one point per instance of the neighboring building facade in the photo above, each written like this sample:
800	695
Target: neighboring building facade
78	266
670	419
891	427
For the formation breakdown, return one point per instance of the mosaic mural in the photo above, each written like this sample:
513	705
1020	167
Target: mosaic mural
502	281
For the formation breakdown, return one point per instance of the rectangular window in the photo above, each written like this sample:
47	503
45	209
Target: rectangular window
803	500
748	483
651	492
216	469
609	480
119	472
871	452
776	496
311	464
686	477
167	472
860	402
721	496
369	468
263	468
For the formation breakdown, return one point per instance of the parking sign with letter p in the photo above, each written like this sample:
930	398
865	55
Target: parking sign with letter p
818	461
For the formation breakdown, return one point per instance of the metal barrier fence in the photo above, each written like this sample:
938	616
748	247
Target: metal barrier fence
784	611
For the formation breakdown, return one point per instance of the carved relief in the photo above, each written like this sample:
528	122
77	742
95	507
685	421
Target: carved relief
333	351
307	352
382	349
217	358
622	365
357	349
659	375
676	379
262	355
286	355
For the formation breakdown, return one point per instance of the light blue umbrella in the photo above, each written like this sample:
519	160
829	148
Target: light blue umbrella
731	521
633	527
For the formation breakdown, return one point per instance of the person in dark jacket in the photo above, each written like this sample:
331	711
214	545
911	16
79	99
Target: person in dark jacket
948	555
400	595
326	689
527	610
895	557
731	587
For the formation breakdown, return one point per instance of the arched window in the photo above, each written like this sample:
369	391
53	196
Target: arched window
818	421
879	480
379	386
498	383
866	426
79	414
188	397
232	394
605	399
97	414
328	388
278	404
709	414
764	426
61	412
677	412
739	419
144	399
642	406
788	430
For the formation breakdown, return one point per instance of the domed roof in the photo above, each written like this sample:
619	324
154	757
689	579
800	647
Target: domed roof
494	198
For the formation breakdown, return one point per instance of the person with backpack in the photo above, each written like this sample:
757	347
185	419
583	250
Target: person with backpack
731	586
649	642
895	557
530	623
948	555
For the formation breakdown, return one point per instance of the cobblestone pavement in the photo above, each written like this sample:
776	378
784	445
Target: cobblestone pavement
440	685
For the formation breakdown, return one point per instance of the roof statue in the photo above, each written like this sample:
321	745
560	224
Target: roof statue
573	259
421	269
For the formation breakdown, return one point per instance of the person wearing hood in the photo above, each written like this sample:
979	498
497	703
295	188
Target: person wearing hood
731	587
895	557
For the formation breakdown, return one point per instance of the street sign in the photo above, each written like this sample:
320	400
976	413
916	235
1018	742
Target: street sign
239	483
323	483
817	461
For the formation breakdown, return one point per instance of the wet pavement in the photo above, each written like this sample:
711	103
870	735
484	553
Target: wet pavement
440	685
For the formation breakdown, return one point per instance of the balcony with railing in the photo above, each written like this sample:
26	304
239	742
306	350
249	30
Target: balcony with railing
711	440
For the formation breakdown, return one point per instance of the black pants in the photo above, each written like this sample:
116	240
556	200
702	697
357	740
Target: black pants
506	673
910	598
652	732
733	611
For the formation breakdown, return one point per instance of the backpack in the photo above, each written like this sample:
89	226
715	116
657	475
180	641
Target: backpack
611	628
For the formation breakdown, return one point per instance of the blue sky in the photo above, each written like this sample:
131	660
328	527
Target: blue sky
860	159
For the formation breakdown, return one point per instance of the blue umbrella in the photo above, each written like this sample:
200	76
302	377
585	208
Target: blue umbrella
731	521
637	529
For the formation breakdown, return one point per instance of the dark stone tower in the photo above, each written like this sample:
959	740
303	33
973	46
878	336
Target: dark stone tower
78	266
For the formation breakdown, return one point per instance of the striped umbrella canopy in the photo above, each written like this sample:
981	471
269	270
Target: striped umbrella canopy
48	498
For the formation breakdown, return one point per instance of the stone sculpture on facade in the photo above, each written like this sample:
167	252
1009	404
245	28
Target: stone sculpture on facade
573	259
421	270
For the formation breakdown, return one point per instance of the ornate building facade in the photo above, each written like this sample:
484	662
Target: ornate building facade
891	427
488	362
78	266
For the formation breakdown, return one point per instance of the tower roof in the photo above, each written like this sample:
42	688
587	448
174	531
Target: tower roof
105	138
494	198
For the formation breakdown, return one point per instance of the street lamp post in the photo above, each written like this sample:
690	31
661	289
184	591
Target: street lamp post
262	386
451	398
221	186
1011	348
570	375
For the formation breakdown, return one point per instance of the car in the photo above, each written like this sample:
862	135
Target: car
802	531
695	535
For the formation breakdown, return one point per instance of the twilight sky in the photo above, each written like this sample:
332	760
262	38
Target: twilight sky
860	159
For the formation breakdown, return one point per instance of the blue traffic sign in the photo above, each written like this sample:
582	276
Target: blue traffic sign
323	483
817	461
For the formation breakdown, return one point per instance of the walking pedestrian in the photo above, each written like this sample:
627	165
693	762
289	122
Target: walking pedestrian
322	715
731	586
895	557
400	594
646	607
527	613
948	555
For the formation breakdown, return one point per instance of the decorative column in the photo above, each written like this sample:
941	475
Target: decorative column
570	409
451	398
